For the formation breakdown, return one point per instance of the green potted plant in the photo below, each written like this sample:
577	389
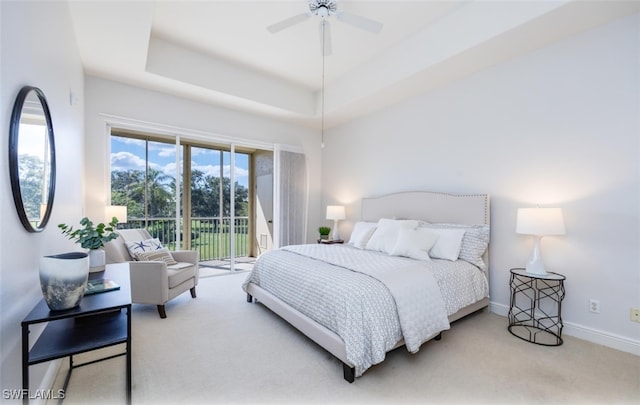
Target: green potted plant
324	232
93	238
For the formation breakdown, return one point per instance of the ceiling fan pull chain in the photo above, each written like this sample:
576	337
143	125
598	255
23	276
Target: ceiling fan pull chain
322	112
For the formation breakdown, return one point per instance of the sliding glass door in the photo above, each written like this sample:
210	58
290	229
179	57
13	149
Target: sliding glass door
219	228
211	195
143	179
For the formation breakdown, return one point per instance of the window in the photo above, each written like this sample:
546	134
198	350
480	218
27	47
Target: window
143	177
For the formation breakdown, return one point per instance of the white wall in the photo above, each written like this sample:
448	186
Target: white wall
38	49
104	97
556	127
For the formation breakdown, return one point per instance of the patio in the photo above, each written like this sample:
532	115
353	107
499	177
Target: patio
211	268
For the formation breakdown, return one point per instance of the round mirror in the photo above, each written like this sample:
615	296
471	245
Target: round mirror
32	164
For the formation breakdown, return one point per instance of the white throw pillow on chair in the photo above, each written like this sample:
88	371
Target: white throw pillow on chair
142	246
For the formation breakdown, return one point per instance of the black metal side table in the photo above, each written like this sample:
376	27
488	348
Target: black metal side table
101	320
535	312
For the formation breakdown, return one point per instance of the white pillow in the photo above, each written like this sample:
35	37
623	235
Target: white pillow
142	246
474	243
448	244
386	234
415	243
361	233
159	255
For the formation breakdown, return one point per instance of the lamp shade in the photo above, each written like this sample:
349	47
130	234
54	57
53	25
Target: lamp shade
540	221
335	212
118	211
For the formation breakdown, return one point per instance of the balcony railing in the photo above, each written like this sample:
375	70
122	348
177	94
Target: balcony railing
211	237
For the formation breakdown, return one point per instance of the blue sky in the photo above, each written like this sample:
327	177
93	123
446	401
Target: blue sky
129	154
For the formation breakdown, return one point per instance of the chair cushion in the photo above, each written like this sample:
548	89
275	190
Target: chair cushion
180	272
179	265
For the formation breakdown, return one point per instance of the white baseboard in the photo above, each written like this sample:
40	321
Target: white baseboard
48	380
600	337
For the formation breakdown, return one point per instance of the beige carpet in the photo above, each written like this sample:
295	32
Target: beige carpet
218	348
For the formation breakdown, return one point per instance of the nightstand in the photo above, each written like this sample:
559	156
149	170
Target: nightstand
329	242
535	312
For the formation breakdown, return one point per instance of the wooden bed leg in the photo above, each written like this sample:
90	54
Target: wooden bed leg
439	336
193	292
249	298
349	373
162	312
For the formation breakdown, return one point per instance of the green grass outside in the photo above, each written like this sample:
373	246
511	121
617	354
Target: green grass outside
217	246
211	241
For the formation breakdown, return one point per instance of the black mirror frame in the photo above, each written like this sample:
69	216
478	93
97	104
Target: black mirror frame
13	158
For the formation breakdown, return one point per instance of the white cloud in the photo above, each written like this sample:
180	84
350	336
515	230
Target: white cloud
169	169
214	170
128	141
126	161
129	161
165	151
203	152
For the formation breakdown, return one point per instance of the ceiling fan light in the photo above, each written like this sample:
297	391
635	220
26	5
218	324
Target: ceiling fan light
323	8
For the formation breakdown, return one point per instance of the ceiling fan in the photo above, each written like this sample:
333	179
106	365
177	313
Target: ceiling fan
325	9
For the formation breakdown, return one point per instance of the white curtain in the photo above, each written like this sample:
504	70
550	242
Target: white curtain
291	195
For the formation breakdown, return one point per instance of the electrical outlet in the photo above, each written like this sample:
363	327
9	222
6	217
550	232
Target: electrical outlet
635	314
594	306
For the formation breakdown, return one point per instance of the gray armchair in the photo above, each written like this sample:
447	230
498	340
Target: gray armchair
154	282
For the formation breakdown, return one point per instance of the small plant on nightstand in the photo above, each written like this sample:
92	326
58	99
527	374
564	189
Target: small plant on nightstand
324	232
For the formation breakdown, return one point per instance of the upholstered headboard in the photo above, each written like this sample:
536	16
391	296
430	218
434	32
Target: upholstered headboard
429	206
471	209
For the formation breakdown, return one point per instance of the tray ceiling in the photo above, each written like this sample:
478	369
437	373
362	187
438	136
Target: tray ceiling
220	52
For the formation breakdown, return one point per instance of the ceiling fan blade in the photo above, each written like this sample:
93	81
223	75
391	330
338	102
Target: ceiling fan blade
296	19
360	22
325	38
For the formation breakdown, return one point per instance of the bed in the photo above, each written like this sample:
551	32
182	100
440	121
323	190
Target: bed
360	300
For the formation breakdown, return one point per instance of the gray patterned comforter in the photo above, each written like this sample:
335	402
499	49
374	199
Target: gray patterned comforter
371	300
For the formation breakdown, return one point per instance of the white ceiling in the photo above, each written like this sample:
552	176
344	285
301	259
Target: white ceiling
220	52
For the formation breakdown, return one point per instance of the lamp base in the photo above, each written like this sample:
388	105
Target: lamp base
535	265
335	235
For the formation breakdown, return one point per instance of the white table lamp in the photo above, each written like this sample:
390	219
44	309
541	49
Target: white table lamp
335	212
118	211
539	222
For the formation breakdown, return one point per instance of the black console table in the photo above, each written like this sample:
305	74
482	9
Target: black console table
101	320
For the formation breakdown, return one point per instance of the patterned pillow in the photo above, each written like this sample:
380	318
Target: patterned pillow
141	246
160	255
474	242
